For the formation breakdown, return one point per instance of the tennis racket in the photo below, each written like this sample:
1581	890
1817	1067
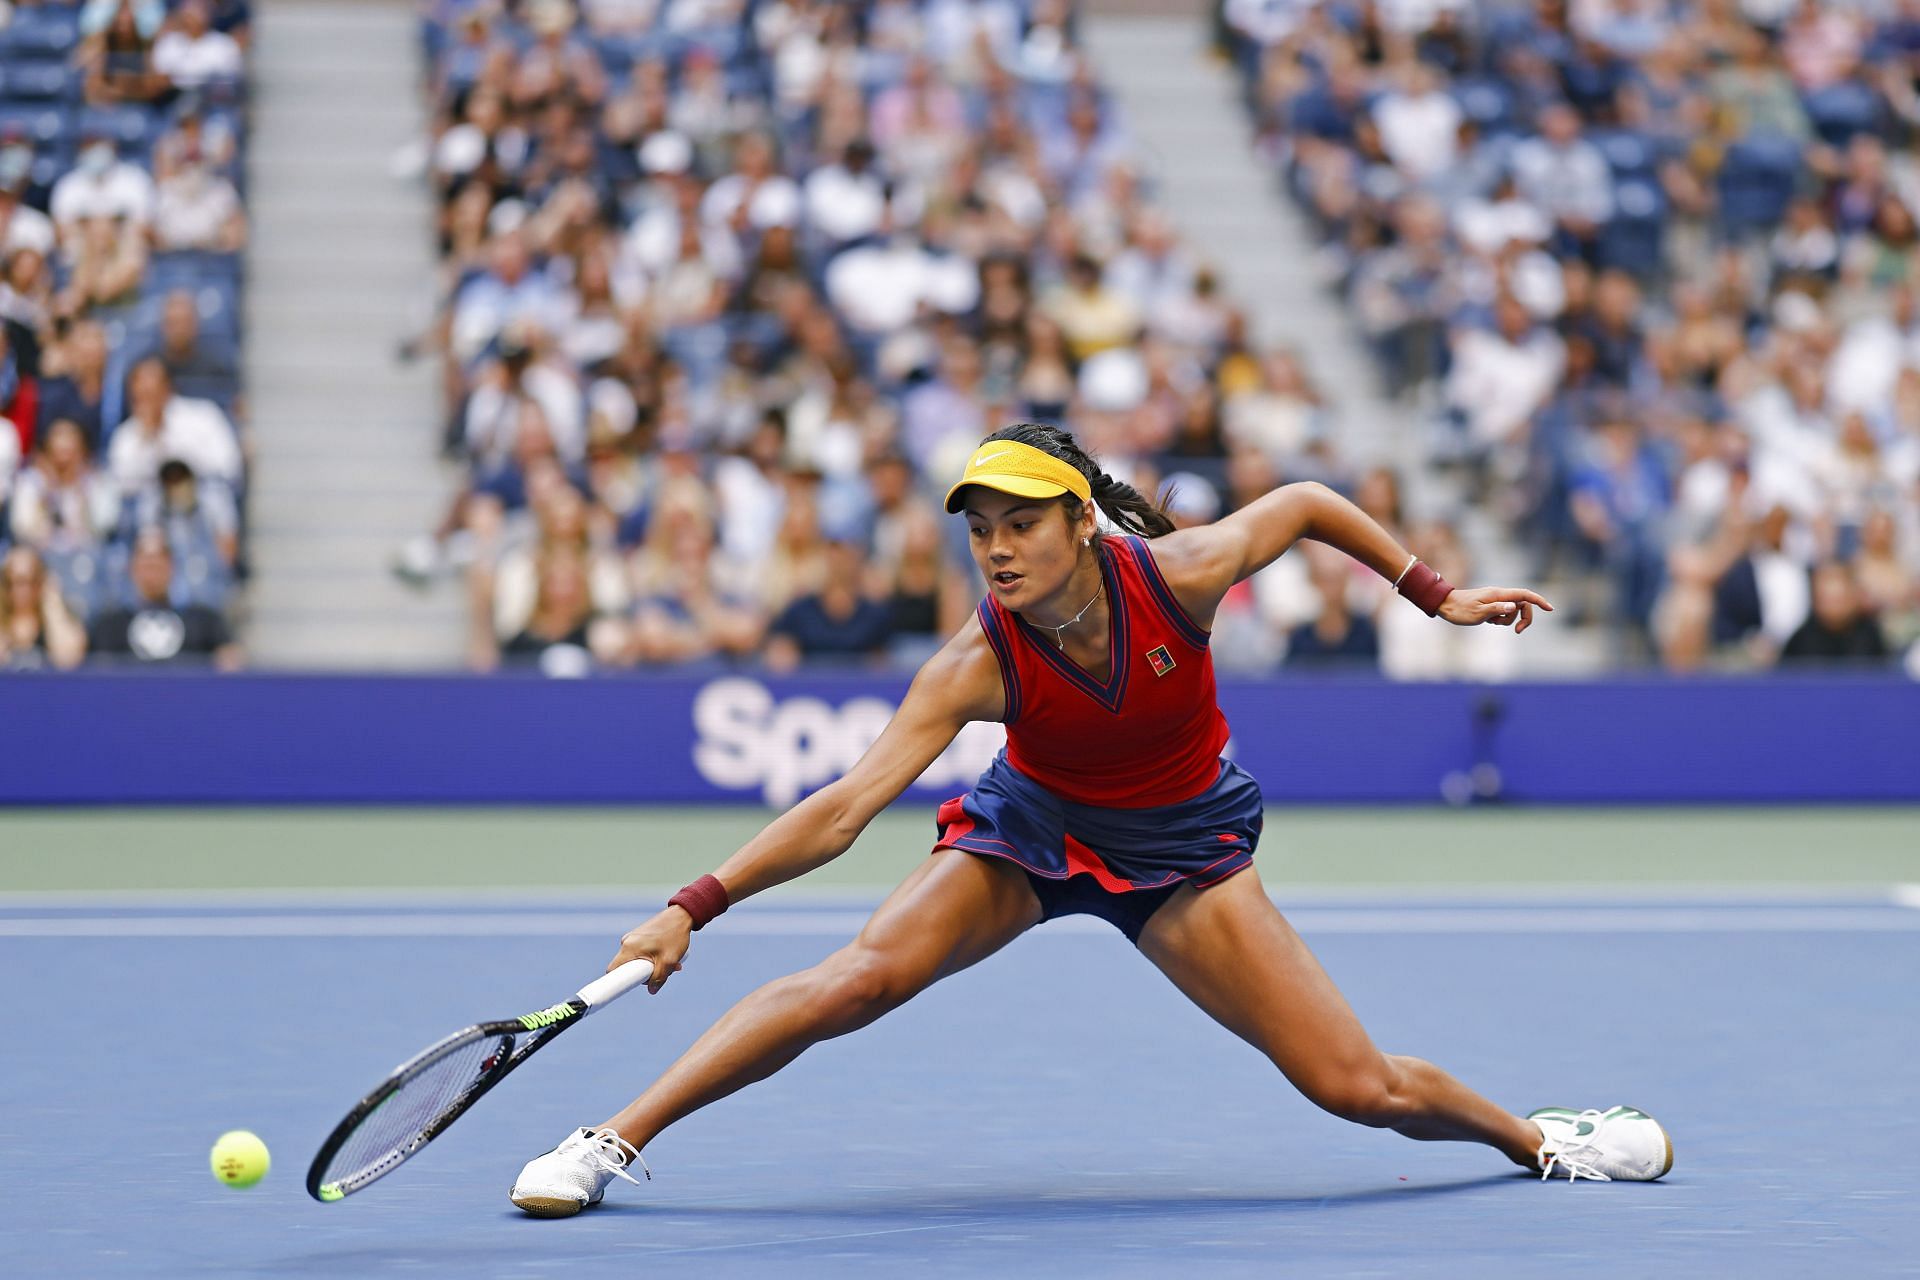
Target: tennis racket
429	1091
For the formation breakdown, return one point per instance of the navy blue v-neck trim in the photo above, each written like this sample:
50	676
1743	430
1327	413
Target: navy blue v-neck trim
990	613
1114	691
1176	613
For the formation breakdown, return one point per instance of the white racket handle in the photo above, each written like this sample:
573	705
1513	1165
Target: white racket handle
618	983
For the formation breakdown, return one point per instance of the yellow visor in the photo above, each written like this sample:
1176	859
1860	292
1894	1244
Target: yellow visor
1019	469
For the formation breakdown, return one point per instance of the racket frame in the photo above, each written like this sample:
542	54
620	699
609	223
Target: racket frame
538	1028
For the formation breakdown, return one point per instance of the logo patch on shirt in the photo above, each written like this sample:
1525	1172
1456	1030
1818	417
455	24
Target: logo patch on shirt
1160	660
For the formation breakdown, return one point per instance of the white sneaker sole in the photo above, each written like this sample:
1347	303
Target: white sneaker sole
548	1206
1667	1139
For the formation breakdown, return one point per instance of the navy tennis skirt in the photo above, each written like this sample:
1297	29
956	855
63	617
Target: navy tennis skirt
1117	864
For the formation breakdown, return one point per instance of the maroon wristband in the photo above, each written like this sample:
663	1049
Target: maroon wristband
704	899
1425	588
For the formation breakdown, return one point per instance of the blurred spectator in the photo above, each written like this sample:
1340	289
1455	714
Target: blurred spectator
834	621
1278	416
845	201
521	376
192	52
101	211
1821	46
618	17
1837	630
198	367
508	289
155	622
689	601
1501	377
117	54
1620	502
100	186
109	260
1805	248
9	455
97	15
36	628
755	196
76	388
561	515
202	525
1563	174
1404	294
918	124
563	633
1337	637
1045	382
1754	96
161	425
797	558
1889	588
1763	597
948	406
197	209
22	227
925	600
194	134
1091	316
62	503
749	486
1419	123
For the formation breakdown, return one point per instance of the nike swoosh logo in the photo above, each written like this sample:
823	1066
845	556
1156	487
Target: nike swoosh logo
984	459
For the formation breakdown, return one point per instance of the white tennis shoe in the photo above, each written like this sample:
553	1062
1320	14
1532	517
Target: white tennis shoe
575	1174
1619	1143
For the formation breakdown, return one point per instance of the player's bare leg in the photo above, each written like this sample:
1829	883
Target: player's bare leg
953	911
1232	952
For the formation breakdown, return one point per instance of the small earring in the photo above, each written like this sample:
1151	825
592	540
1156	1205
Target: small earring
1086	542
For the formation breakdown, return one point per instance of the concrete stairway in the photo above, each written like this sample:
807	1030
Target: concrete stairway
340	268
1182	108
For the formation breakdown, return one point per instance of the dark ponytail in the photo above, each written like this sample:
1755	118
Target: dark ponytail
1125	506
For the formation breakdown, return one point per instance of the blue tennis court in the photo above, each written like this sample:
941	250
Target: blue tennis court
1059	1109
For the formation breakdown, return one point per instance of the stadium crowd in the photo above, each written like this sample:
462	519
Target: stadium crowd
1651	265
730	290
122	466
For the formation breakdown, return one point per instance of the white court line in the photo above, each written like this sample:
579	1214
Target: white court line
583	896
828	923
1290	897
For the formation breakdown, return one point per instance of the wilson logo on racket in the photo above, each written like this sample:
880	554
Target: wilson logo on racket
547	1017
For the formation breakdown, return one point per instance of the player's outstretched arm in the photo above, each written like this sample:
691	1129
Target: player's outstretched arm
1203	562
959	684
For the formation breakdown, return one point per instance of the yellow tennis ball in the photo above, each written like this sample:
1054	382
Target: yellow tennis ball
240	1159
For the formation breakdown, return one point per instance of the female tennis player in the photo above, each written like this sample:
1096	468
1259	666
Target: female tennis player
1110	799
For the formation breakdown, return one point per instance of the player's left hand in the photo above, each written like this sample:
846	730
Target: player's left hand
1496	606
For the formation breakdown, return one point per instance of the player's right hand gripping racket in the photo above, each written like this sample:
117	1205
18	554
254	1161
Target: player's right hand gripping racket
432	1089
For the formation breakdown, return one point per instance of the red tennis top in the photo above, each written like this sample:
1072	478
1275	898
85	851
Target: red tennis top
1152	733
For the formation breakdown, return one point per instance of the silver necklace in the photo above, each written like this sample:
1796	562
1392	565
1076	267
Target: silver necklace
1059	643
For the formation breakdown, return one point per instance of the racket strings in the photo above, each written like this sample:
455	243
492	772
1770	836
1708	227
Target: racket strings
415	1107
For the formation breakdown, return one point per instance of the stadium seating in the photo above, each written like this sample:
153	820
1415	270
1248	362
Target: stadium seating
1728	331
50	106
847	316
